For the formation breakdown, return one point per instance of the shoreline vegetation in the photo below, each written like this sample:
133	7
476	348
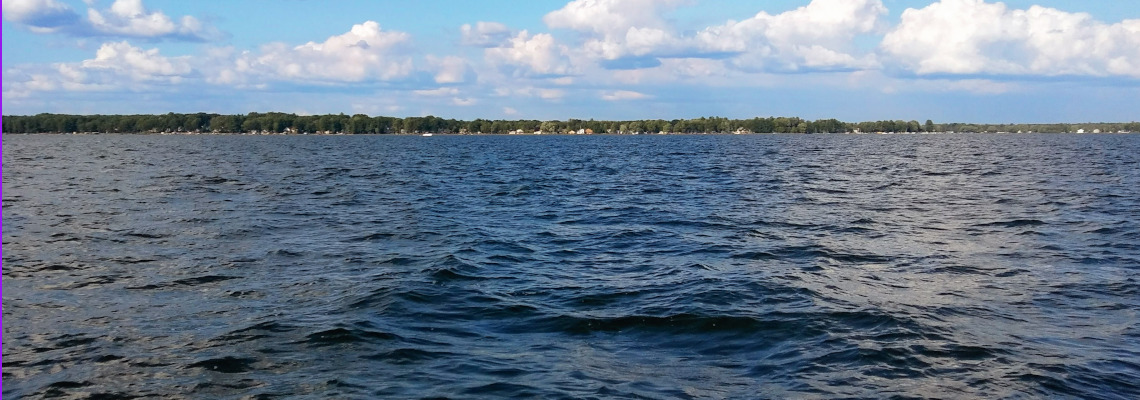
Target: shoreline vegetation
341	124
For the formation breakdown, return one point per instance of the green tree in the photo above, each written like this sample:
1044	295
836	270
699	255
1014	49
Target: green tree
913	126
549	127
224	124
251	125
637	127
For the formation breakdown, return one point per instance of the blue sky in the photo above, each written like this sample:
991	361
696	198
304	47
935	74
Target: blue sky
947	60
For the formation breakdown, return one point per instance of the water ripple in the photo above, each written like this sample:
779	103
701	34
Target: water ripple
572	267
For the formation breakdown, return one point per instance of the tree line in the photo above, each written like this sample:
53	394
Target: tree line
275	122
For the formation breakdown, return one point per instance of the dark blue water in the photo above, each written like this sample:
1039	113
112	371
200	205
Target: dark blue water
697	267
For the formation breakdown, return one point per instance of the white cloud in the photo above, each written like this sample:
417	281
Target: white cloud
610	17
72	72
132	19
623	34
975	37
485	34
450	69
224	66
21	83
532	55
365	53
136	63
819	35
116	66
616	50
618	95
125	18
618	28
43	16
463	101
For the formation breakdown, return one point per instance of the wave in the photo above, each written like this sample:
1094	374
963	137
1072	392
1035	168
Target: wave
700	267
1016	223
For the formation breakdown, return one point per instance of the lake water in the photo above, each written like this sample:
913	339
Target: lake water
691	267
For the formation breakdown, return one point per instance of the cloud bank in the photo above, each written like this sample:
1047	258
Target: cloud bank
616	51
967	37
124	19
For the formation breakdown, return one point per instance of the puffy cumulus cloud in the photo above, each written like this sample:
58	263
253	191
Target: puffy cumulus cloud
131	19
43	16
485	34
610	18
974	37
138	64
526	55
125	18
116	66
819	35
365	53
619	28
631	35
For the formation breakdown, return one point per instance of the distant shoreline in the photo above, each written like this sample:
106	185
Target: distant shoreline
281	123
556	134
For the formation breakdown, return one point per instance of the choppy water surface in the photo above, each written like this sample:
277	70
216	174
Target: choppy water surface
572	267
